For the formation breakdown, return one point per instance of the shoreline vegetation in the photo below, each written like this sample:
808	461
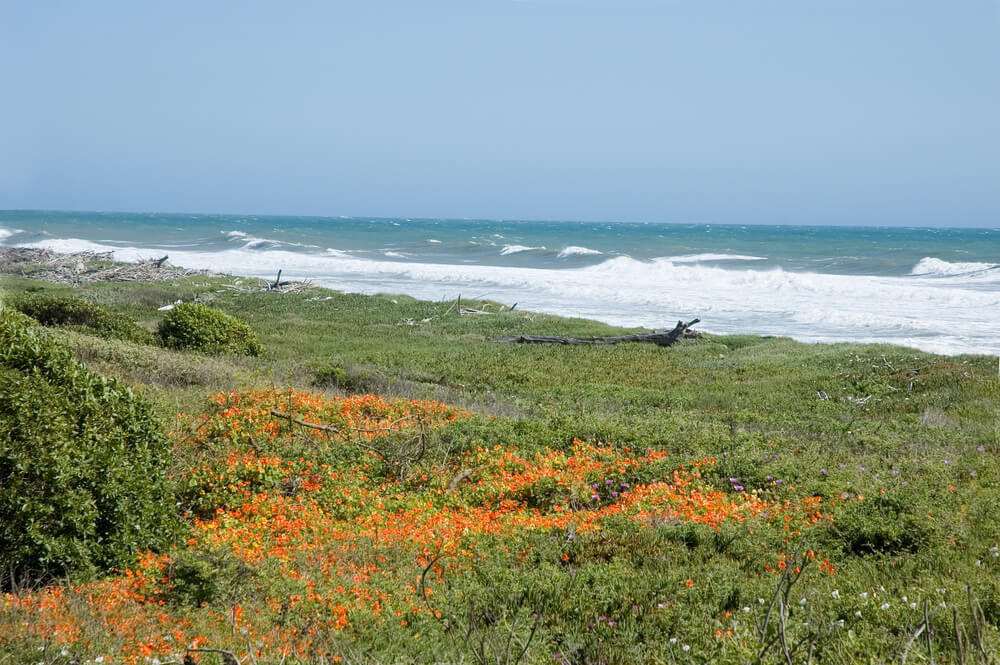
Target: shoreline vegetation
332	477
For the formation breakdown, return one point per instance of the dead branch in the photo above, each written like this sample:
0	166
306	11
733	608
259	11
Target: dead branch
228	657
681	331
292	419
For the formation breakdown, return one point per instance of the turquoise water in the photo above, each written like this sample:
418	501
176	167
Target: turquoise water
935	289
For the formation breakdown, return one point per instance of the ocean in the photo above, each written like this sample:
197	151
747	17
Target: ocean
936	290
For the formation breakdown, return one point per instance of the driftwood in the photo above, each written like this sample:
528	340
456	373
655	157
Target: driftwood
681	331
83	267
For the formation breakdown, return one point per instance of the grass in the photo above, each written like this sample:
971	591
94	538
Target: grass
622	504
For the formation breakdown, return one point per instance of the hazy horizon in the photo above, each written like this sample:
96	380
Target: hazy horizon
838	112
197	213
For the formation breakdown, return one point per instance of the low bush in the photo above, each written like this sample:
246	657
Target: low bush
90	317
197	327
82	463
207	578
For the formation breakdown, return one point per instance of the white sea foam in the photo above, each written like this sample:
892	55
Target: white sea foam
253	242
932	267
573	250
394	255
517	249
699	258
6	233
433	241
939	315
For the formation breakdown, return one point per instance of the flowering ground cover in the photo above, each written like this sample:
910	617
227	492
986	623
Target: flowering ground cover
728	500
313	531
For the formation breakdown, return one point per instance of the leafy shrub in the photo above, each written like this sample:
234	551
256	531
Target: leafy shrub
200	328
82	463
67	311
348	380
883	524
207	578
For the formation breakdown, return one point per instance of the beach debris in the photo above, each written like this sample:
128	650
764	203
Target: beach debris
88	266
666	338
167	308
83	267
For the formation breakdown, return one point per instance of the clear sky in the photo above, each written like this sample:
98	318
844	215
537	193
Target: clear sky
747	111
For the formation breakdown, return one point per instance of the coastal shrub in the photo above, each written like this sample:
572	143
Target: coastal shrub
82	463
346	379
207	578
197	327
90	317
881	524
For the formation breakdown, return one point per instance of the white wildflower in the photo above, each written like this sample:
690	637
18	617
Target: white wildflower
885	606
835	593
686	647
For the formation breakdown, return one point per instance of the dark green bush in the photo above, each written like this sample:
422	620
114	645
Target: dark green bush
93	318
198	327
207	578
82	463
884	524
347	379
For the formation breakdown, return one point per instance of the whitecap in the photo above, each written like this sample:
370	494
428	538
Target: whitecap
699	258
517	249
573	250
933	267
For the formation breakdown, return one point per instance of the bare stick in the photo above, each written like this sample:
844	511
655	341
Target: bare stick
459	478
781	631
228	657
927	635
913	638
959	647
297	421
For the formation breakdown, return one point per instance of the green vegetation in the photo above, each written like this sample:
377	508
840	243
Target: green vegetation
899	450
197	327
82	462
81	314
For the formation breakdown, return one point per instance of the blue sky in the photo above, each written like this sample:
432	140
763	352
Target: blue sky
750	111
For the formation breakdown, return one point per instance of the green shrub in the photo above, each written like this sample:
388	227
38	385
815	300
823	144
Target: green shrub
207	578
67	311
352	380
82	463
198	327
881	524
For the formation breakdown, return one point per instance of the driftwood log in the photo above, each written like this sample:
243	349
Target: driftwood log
681	331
